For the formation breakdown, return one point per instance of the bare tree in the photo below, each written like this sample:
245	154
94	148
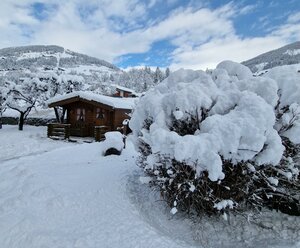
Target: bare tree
23	97
3	94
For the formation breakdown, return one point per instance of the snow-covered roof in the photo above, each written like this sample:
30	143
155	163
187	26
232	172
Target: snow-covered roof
115	102
124	88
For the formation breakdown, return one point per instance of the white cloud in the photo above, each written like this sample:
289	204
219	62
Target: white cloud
111	28
66	28
247	9
233	48
191	26
294	18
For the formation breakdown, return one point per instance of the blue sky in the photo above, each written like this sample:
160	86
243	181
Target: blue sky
193	34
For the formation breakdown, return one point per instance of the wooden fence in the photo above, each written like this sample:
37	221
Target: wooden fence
63	131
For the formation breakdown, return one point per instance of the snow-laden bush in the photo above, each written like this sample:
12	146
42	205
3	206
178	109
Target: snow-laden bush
288	106
208	139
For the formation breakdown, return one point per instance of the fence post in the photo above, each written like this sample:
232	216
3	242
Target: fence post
49	129
67	131
97	133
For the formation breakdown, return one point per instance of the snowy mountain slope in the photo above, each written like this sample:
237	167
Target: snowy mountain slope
89	201
18	62
14	58
287	55
98	75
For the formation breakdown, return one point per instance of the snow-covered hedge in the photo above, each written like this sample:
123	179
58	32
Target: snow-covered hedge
205	126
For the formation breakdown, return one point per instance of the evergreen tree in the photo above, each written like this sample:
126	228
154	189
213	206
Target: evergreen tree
158	76
148	70
167	72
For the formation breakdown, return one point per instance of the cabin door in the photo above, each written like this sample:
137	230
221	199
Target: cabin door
79	125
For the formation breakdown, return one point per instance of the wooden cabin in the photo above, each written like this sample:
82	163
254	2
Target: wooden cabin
87	111
124	92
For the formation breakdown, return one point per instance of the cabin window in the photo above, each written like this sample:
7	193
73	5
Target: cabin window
80	114
100	114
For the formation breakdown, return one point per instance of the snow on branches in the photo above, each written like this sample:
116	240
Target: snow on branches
229	123
23	97
201	130
29	92
288	105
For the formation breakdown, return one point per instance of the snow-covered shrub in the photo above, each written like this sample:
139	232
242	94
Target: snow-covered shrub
288	105
113	143
208	139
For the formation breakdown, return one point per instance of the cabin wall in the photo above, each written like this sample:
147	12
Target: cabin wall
81	124
83	117
105	120
73	115
120	116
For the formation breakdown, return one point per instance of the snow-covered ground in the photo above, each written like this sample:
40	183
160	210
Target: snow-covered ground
67	197
38	112
59	194
31	141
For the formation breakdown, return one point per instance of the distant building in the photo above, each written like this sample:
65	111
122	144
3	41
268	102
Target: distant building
124	92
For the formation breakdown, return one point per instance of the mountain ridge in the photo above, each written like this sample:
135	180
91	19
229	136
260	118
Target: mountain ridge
51	50
286	55
52	60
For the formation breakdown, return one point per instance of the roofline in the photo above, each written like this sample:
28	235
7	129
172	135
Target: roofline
78	98
128	91
63	102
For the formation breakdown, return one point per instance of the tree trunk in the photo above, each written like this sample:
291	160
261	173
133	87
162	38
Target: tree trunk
1	110
21	121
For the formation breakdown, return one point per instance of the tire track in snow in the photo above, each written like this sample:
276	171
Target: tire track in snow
25	155
33	153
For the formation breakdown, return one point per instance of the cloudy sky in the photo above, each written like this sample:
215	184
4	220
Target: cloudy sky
194	34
